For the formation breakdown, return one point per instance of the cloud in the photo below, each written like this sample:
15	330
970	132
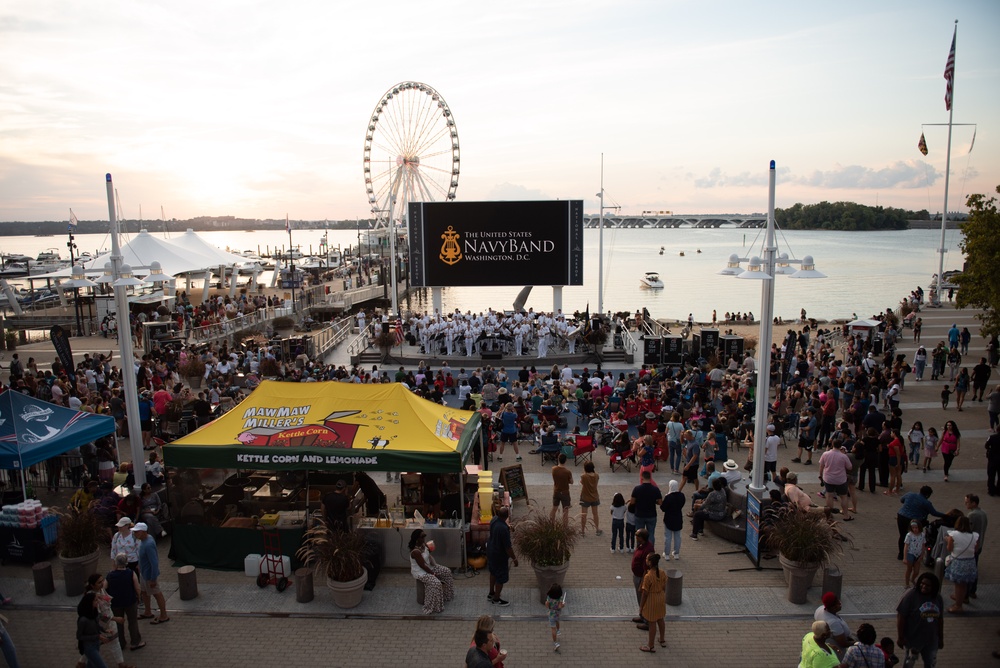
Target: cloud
513	192
900	174
716	179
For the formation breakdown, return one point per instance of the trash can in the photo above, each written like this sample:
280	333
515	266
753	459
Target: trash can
675	587
303	585
833	580
42	573
187	583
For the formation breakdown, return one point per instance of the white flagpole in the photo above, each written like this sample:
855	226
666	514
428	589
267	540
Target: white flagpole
947	176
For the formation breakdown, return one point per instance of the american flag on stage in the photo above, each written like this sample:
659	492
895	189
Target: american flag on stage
398	331
922	144
949	72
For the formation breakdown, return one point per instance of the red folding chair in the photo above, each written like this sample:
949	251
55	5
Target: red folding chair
583	450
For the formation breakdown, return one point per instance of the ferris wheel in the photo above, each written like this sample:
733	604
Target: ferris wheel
411	151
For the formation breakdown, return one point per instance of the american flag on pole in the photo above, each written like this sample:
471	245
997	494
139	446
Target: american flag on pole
72	219
288	228
949	72
922	144
398	332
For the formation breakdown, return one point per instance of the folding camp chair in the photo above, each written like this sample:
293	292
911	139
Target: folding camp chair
619	461
583	450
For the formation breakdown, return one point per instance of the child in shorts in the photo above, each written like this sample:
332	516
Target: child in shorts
945	394
555	601
914	549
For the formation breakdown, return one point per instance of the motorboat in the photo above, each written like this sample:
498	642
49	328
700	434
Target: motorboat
661	250
49	255
47	261
651	279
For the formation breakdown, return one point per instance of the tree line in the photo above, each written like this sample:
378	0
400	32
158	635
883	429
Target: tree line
845	216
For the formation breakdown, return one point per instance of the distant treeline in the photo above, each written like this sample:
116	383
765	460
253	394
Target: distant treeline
845	216
822	216
201	224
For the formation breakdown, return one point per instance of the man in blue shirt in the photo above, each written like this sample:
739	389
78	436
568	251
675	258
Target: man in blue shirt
499	552
915	507
149	571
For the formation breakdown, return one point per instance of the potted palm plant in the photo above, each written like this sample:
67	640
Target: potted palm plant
340	555
547	544
385	341
78	547
805	541
269	367
193	369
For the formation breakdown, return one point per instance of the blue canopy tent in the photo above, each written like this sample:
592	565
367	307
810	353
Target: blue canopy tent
32	430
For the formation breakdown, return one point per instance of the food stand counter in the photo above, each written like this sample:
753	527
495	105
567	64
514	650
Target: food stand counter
393	541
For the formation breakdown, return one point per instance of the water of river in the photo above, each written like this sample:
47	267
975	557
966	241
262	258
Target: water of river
867	271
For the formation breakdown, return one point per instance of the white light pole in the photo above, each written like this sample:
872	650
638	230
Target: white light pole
763	269
600	247
122	275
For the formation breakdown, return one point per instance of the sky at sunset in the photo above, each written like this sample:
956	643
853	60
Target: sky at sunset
255	109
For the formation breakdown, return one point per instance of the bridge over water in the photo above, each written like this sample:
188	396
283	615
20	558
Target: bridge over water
660	221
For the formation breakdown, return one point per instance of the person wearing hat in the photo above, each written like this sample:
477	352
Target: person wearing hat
336	505
840	633
771	444
124	542
731	472
149	571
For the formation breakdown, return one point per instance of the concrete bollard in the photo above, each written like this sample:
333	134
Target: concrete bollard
675	587
303	585
187	581
42	573
833	580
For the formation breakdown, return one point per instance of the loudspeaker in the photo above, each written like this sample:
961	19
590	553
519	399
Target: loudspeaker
731	346
385	328
672	349
709	342
652	350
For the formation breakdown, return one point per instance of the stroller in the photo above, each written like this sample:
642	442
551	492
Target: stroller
602	431
934	544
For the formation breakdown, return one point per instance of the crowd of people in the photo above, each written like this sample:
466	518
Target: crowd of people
845	406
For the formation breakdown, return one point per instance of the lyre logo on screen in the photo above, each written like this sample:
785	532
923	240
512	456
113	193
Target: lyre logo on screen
451	252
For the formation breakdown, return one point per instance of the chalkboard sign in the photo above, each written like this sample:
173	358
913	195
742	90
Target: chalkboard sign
512	479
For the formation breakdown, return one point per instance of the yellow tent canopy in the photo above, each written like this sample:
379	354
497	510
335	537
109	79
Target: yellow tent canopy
332	426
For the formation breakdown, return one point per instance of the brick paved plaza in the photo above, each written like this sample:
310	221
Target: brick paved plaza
741	618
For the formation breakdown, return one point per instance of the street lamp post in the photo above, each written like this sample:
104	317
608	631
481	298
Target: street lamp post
765	269
122	275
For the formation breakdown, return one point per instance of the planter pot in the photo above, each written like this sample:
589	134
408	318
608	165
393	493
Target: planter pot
348	594
548	576
194	382
76	570
799	576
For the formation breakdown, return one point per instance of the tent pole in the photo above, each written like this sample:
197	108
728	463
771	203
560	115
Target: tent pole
24	486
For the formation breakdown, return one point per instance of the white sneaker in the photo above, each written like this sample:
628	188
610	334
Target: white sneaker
677	557
612	550
555	646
